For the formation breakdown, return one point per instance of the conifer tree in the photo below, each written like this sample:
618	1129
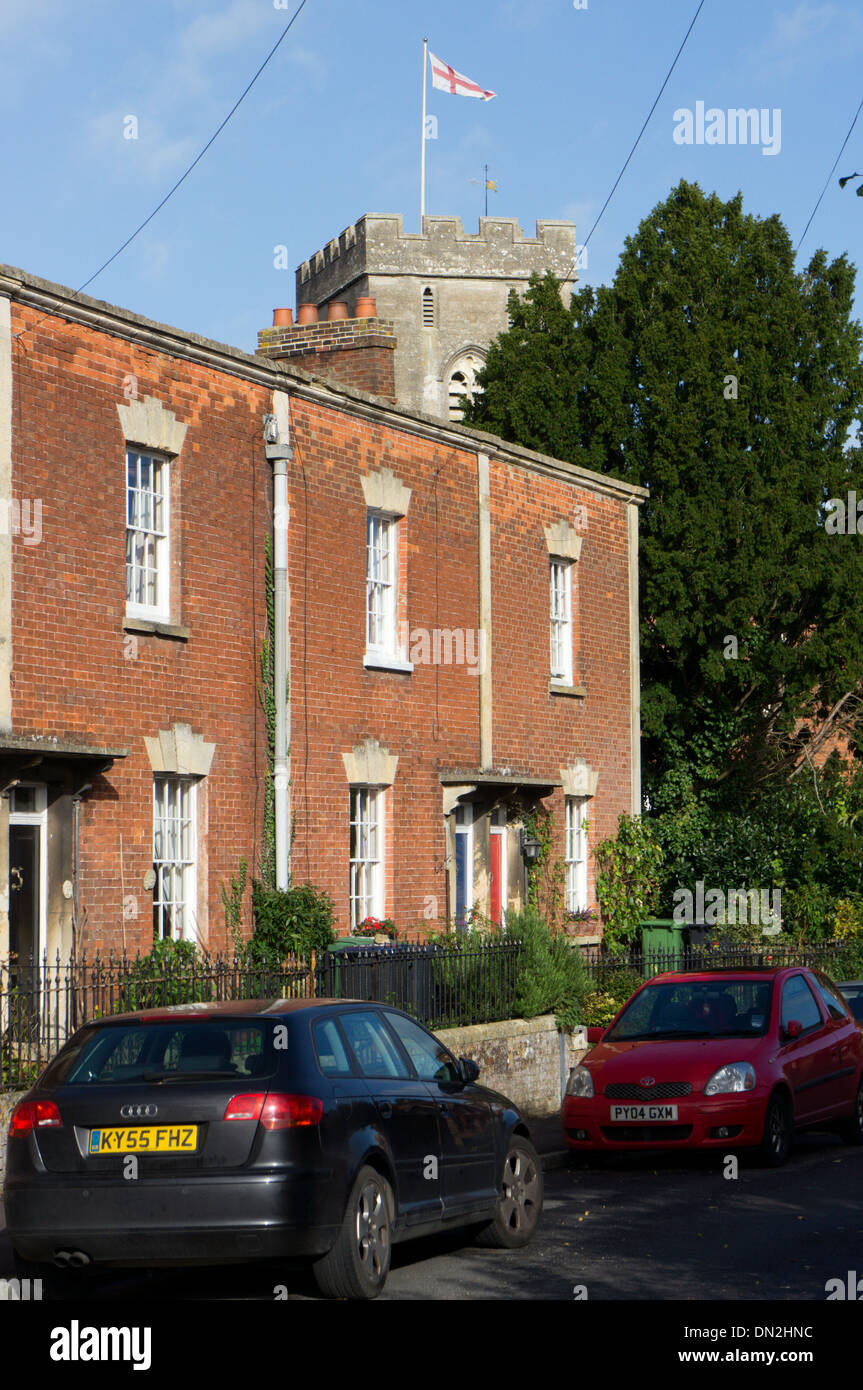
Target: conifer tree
729	383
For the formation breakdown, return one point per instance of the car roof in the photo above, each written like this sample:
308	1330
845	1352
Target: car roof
225	1009
724	972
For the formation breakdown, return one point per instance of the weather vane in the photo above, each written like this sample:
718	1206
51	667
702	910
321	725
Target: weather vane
490	186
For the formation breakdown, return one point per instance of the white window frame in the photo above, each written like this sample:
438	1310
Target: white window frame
560	619
383	647
367	849
38	817
182	864
463	822
141	521
575	854
498	826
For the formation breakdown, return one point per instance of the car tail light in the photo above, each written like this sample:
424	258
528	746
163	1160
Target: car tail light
246	1107
291	1112
33	1114
276	1111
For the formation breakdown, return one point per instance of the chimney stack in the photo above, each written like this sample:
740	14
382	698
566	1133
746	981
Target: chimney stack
352	351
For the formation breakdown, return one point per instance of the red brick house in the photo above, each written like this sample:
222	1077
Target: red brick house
460	633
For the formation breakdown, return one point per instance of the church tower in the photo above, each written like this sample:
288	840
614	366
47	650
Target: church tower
444	290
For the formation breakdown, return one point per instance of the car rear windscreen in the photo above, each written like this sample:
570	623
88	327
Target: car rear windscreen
117	1053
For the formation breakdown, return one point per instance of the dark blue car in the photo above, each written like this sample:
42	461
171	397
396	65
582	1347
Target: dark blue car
326	1129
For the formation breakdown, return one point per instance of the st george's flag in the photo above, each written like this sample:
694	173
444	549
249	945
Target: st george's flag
446	79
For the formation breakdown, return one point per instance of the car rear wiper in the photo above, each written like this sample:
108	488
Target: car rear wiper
187	1075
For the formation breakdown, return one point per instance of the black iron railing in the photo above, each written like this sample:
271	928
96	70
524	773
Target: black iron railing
42	1003
840	962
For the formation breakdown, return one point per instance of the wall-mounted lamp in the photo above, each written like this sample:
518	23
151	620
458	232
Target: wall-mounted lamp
271	429
531	848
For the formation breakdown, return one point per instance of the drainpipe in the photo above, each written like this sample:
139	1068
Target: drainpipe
76	874
277	434
486	757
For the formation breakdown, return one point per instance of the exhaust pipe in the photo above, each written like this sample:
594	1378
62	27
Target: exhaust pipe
74	1259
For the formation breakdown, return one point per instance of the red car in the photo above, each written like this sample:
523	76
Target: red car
721	1059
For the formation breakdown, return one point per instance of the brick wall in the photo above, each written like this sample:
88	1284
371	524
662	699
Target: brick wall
355	352
76	672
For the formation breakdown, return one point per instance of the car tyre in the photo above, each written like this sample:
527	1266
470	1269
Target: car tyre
778	1131
851	1130
358	1264
519	1206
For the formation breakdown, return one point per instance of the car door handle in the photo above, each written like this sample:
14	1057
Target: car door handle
386	1109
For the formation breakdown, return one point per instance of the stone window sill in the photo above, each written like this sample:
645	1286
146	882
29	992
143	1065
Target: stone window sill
157	629
577	692
383	661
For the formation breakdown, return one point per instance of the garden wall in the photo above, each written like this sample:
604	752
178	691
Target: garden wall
8	1101
525	1058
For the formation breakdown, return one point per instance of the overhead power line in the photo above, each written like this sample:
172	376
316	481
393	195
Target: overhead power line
182	179
640	133
829	177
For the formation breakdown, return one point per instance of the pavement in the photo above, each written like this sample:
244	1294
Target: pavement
546	1131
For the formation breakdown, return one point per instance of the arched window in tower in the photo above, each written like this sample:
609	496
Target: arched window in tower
428	307
462	385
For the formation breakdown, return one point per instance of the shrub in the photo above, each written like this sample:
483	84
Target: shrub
602	1004
289	921
847	925
170	974
551	973
807	910
600	1008
628	879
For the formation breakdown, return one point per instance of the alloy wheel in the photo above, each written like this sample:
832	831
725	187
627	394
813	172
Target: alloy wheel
373	1232
778	1129
521	1188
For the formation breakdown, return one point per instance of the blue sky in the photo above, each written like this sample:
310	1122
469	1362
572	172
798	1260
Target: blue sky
332	130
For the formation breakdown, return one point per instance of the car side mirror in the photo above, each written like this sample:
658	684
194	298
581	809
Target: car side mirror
793	1028
595	1035
469	1070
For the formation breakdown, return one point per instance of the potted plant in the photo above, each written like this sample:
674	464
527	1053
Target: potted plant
576	919
381	930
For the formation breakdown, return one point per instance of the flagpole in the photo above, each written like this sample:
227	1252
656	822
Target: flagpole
423	157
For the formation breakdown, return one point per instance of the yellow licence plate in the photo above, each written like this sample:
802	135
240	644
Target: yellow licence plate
154	1139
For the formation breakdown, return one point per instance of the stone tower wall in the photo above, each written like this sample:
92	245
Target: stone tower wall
470	275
